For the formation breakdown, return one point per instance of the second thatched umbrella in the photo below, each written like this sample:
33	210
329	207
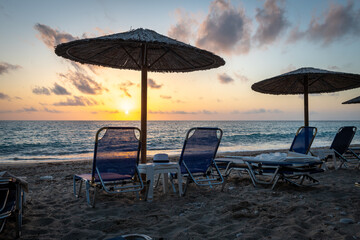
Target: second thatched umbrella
305	81
143	50
352	101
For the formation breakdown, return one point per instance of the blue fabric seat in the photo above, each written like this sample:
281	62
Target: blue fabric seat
303	140
341	145
197	157
116	157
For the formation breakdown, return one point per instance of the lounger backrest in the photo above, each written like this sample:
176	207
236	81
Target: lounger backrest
7	198
117	151
200	148
303	140
343	139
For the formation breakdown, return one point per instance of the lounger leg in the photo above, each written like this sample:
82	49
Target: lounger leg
224	183
186	185
275	182
77	194
18	211
91	203
2	225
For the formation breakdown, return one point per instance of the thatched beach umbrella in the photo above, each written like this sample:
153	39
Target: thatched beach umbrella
352	101
308	80
143	50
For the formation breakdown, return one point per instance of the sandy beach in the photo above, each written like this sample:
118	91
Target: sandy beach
239	212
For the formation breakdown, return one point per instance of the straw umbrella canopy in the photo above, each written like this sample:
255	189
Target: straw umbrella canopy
305	81
352	101
143	50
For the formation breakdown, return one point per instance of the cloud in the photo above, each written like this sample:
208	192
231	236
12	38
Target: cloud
6	67
41	91
52	37
30	109
52	110
337	22
225	79
182	112
4	96
84	83
59	90
287	69
241	77
124	87
208	112
153	84
107	111
272	22
165	97
258	111
226	29
334	68
183	29
77	101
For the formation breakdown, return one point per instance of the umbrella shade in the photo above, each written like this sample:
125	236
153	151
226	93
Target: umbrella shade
124	51
308	80
352	101
143	50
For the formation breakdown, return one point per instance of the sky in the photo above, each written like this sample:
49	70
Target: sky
258	39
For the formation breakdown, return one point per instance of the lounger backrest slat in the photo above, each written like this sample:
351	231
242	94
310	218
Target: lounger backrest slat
343	139
117	151
199	150
303	140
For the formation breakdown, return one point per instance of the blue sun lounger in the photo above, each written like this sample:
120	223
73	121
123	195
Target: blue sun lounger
303	140
116	157
341	145
11	200
298	168
197	157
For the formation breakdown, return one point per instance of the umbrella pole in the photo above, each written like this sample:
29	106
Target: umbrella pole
306	101
143	103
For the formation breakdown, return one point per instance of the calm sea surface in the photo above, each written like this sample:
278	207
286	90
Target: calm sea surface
67	140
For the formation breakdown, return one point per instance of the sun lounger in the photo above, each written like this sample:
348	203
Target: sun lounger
116	157
294	168
197	157
301	144
341	145
303	140
11	200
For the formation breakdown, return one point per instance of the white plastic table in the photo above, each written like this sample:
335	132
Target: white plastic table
151	169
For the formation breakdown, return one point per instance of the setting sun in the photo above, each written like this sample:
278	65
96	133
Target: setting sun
126	106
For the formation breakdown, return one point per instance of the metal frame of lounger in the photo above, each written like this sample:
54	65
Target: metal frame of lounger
15	208
114	186
201	178
230	166
343	145
286	171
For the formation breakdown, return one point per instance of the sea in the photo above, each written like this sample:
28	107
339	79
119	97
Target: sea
74	140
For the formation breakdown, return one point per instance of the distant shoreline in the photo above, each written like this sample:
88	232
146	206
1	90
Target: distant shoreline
173	157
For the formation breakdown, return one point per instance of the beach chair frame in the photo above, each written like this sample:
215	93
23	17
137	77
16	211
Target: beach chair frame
271	173
9	206
341	145
209	176
275	172
96	181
